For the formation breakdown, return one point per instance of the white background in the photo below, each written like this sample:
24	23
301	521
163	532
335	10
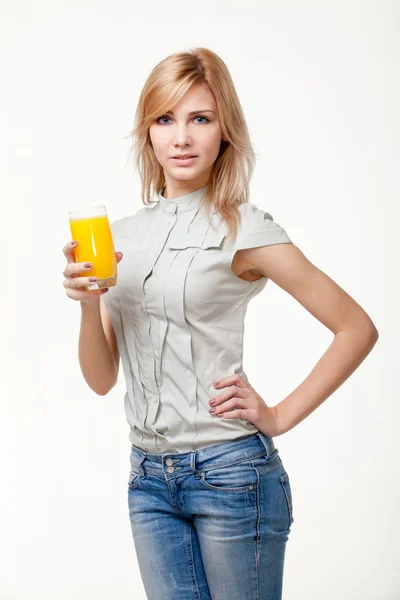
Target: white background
319	84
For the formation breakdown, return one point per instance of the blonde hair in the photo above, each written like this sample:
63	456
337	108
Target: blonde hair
233	168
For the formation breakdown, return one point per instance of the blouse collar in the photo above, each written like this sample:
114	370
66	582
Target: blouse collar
189	201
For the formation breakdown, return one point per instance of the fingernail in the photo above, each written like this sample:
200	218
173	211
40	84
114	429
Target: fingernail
74	243
92	278
216	383
88	265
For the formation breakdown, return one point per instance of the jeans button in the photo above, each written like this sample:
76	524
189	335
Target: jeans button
170	469
169	462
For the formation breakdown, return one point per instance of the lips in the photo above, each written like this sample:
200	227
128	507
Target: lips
183	160
183	156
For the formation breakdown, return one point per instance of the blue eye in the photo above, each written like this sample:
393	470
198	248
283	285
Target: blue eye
165	117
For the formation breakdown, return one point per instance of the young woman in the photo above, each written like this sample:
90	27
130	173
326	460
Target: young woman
210	502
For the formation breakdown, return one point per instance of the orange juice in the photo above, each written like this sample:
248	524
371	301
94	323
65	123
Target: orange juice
95	245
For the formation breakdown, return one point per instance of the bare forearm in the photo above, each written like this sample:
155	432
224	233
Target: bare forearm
95	357
347	351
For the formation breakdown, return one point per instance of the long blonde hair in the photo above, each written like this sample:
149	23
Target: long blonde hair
233	168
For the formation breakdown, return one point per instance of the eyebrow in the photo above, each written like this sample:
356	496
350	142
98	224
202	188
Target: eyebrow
194	112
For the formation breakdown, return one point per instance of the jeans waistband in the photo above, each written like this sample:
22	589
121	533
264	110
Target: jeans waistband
211	457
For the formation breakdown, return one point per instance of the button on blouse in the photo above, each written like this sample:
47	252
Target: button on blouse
178	315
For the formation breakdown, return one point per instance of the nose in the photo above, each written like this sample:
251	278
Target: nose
182	136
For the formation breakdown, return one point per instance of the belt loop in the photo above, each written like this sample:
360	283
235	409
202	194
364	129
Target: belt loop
137	462
267	442
193	460
142	459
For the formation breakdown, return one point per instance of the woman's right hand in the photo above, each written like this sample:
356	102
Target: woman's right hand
74	282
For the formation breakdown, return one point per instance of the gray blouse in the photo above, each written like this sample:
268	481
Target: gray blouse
178	315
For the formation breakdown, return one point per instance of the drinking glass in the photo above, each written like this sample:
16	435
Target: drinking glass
90	227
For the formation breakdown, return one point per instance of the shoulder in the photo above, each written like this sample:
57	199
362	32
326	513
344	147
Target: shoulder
252	215
125	226
258	228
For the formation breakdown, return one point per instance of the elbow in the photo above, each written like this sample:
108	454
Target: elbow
373	335
370	335
105	389
372	338
365	333
102	392
371	332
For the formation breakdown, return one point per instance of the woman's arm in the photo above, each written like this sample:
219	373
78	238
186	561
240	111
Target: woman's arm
97	350
354	332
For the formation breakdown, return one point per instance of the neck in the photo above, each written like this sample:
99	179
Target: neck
175	189
178	193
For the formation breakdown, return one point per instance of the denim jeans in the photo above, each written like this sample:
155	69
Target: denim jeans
211	524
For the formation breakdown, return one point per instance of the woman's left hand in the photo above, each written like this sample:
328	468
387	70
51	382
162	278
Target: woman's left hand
240	400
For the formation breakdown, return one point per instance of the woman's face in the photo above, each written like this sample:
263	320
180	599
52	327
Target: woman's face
192	127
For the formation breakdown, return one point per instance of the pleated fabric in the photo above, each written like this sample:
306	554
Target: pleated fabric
178	314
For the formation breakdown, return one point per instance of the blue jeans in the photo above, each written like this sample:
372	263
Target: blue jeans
211	524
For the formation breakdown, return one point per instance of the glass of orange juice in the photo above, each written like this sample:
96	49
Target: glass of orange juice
90	227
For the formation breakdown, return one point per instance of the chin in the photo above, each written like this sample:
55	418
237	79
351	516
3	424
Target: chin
183	174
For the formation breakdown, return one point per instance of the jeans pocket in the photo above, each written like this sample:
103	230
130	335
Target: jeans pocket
264	464
133	480
239	477
285	482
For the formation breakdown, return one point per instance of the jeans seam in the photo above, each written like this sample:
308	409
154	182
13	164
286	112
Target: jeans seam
193	568
258	535
288	500
229	463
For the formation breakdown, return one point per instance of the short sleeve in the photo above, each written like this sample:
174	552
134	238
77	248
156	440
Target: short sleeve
258	228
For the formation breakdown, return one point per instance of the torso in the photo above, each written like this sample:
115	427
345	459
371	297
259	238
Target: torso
178	316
